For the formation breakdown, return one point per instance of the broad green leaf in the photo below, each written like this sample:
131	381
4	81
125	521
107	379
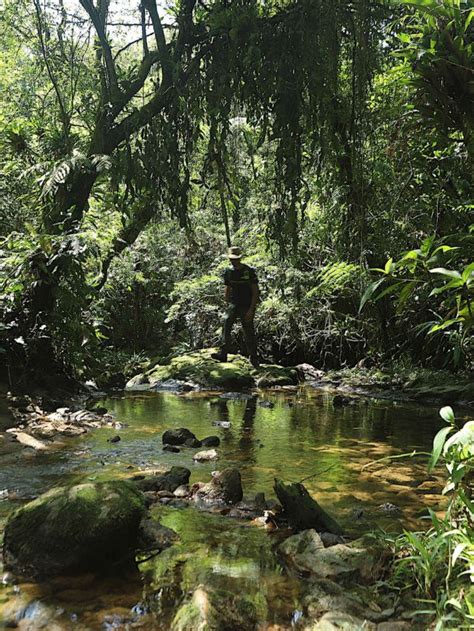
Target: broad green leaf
388	266
447	414
438	444
368	293
446	272
457	552
456	282
444	325
411	255
468	272
389	290
469	19
463	441
444	248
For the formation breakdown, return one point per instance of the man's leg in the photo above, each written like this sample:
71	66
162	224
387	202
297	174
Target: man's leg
226	335
250	341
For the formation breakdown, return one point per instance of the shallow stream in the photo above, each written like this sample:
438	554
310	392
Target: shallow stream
301	437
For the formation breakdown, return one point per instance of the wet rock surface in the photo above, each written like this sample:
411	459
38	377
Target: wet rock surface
216	609
155	536
225	486
75	528
305	553
167	481
178	436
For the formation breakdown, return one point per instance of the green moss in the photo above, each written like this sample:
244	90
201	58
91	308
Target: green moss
270	375
73	527
216	609
200	368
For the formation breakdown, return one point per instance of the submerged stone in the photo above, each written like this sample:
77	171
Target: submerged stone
216	609
167	481
75	528
305	553
155	536
178	436
211	441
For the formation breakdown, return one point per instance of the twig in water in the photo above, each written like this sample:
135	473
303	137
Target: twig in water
389	458
317	473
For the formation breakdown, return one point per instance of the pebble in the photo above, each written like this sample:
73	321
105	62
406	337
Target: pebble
114	439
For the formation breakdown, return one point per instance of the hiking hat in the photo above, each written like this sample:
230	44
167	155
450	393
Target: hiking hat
234	253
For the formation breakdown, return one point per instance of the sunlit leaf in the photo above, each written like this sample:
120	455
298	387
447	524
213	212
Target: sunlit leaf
447	414
438	444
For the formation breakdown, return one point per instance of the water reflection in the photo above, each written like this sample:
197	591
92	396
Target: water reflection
337	451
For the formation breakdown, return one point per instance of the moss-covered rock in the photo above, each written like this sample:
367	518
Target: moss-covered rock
271	375
75	528
199	368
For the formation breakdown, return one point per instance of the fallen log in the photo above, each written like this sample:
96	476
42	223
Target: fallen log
302	511
29	441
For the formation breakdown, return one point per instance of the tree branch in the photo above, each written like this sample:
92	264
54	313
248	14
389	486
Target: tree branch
65	116
166	62
99	21
137	84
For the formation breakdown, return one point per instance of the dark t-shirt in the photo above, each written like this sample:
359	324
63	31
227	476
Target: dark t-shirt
240	282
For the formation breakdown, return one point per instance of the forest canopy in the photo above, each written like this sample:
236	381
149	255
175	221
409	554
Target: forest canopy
333	140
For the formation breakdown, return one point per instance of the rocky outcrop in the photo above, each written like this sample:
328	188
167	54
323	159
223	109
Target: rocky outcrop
272	375
225	486
75	528
198	369
34	424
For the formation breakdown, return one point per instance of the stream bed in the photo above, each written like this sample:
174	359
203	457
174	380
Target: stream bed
295	435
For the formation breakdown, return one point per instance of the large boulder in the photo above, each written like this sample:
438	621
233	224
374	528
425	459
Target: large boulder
201	369
76	528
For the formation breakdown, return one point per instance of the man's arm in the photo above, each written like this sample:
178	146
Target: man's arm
253	305
227	293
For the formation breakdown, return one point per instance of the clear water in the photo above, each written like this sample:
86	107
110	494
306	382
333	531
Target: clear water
303	437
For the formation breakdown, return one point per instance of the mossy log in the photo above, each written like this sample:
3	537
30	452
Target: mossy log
302	511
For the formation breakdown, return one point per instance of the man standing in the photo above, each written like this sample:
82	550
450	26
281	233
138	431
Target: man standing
241	294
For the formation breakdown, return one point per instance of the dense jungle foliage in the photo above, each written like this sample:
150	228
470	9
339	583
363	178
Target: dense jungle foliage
332	140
